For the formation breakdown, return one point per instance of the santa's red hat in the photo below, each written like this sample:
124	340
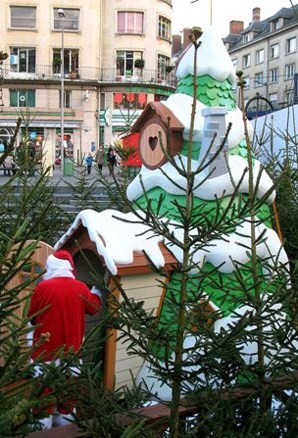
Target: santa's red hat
62	254
60	260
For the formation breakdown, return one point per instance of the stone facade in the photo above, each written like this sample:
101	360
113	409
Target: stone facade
103	89
266	52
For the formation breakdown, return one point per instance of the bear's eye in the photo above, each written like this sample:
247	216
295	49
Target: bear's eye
151	138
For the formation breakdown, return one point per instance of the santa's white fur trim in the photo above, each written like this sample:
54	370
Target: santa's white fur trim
57	268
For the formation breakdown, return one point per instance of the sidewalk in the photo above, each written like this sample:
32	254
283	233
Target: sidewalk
59	178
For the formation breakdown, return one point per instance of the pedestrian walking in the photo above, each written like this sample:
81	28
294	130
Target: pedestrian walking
99	158
89	161
111	158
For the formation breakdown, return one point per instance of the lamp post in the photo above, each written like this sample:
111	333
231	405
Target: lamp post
61	14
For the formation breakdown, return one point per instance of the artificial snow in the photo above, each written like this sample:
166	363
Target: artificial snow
213	59
117	236
168	178
181	106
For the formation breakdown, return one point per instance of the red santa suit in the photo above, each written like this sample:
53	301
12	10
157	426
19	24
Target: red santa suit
61	302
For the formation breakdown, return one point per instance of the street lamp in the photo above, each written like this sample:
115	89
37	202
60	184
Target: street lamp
61	14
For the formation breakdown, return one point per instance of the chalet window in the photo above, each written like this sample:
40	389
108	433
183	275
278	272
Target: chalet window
32	272
246	61
22	59
130	22
23	17
274	51
291	45
260	55
22	98
164	28
274	75
71	20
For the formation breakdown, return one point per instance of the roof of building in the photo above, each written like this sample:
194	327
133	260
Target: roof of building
260	29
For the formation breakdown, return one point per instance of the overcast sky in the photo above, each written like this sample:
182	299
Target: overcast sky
187	14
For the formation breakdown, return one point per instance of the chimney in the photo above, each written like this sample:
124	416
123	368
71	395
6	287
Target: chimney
176	44
236	26
256	14
186	32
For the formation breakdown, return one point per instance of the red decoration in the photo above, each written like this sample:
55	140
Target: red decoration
130	97
142	97
118	98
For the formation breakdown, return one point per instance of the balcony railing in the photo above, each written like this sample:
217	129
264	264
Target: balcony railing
46	72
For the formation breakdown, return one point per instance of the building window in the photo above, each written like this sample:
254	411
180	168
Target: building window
290	96
71	20
245	38
273	98
246	61
246	82
71	61
290	71
125	62
274	75
164	28
235	63
130	22
276	24
22	98
259	79
67	98
22	59
23	17
274	51
291	45
162	63
125	101
260	55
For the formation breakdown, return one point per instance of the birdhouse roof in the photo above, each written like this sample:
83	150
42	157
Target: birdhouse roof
157	109
123	242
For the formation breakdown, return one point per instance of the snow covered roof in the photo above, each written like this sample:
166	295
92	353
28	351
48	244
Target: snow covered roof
121	241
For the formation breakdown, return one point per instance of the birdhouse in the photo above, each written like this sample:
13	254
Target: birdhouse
160	134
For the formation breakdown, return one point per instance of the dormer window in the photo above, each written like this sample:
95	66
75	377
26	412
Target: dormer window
246	38
276	24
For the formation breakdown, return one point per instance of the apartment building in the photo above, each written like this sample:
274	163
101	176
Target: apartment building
108	58
266	52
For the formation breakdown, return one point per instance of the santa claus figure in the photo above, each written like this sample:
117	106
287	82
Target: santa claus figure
57	310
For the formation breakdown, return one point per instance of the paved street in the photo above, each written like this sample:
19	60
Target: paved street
59	178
